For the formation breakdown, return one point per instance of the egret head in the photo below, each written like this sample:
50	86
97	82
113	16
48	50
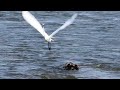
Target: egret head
48	39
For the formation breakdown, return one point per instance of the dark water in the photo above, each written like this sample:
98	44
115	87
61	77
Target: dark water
92	41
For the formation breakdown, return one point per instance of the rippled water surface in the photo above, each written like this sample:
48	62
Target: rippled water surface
92	41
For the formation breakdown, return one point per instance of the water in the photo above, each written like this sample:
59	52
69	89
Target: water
92	41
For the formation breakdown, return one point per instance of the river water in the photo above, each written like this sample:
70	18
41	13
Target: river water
92	42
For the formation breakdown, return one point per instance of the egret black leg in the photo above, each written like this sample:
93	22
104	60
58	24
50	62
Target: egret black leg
49	45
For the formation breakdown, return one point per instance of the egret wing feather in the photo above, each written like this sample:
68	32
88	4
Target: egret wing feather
34	22
67	23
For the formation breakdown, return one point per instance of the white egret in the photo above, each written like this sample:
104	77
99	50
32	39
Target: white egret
34	22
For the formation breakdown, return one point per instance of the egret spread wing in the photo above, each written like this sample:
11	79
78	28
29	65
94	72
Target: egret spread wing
33	22
67	23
